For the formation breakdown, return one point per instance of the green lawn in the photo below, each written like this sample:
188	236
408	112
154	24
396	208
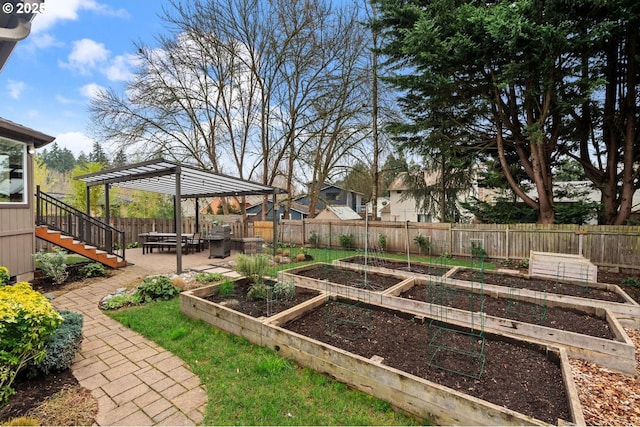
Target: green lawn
251	385
328	255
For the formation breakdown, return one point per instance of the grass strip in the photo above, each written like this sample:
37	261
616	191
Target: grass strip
252	385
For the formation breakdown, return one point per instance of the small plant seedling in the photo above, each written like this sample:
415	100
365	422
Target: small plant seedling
258	292
226	288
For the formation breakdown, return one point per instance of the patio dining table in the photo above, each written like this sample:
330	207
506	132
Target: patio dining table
162	241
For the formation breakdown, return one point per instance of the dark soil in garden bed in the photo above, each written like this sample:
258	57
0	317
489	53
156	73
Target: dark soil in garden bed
238	301
414	267
539	314
537	284
354	278
514	375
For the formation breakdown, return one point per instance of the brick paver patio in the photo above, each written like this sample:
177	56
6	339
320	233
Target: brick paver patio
135	381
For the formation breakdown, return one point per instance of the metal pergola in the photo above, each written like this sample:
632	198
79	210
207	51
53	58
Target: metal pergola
178	180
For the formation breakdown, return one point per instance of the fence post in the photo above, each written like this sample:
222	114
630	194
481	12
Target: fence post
506	241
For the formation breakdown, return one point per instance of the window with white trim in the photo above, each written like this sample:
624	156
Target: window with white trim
13	171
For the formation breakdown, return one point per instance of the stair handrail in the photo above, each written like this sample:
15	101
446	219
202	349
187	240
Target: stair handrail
65	218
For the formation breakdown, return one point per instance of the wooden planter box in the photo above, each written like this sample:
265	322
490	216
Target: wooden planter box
618	354
627	313
412	394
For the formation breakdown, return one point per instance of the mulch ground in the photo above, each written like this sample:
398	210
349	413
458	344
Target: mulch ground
31	392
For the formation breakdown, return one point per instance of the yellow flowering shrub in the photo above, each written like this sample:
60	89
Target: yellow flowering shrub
27	318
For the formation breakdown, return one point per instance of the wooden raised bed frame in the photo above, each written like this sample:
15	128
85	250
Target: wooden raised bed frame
618	354
422	398
627	313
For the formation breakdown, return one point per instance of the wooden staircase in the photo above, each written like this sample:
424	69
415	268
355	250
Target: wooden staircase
69	243
71	229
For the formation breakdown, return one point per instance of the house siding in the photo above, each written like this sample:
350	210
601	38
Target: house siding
17	241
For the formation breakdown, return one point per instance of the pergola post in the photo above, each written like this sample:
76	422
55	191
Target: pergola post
107	218
177	215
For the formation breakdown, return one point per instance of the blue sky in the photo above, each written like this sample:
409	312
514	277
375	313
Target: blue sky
75	47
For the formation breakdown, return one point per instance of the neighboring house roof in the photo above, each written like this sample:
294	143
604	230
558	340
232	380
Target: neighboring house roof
386	208
343	213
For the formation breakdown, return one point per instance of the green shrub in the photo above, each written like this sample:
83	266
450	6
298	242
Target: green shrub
258	292
119	301
476	249
156	288
631	281
53	265
423	242
347	241
61	346
4	276
254	267
209	277
314	240
284	290
382	242
95	269
27	319
226	288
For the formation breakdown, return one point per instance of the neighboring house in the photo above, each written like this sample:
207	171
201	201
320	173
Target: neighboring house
17	145
340	213
298	211
403	207
215	205
330	195
17	225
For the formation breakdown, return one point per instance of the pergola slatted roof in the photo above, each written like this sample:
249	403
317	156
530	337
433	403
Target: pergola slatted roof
159	176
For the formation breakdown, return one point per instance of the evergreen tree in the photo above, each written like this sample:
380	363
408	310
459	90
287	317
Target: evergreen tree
97	155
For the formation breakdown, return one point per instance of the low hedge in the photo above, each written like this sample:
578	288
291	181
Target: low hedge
61	346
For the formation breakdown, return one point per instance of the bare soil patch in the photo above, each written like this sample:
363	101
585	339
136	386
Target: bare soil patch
354	278
514	375
414	267
554	317
536	284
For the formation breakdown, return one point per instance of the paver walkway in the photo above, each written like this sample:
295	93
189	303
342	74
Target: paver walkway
135	381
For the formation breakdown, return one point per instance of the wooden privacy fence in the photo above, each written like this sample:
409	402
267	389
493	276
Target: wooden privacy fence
132	227
603	245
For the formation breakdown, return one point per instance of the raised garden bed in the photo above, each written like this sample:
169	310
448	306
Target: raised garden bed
518	376
238	299
576	289
347	276
385	377
625	308
608	345
603	295
389	265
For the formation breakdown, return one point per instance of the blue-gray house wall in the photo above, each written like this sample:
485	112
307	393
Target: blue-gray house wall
329	195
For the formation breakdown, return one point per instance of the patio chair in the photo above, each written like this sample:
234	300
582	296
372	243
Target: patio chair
195	242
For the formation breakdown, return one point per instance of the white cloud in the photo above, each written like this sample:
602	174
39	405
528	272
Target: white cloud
85	56
75	142
67	10
91	90
120	68
15	88
64	100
